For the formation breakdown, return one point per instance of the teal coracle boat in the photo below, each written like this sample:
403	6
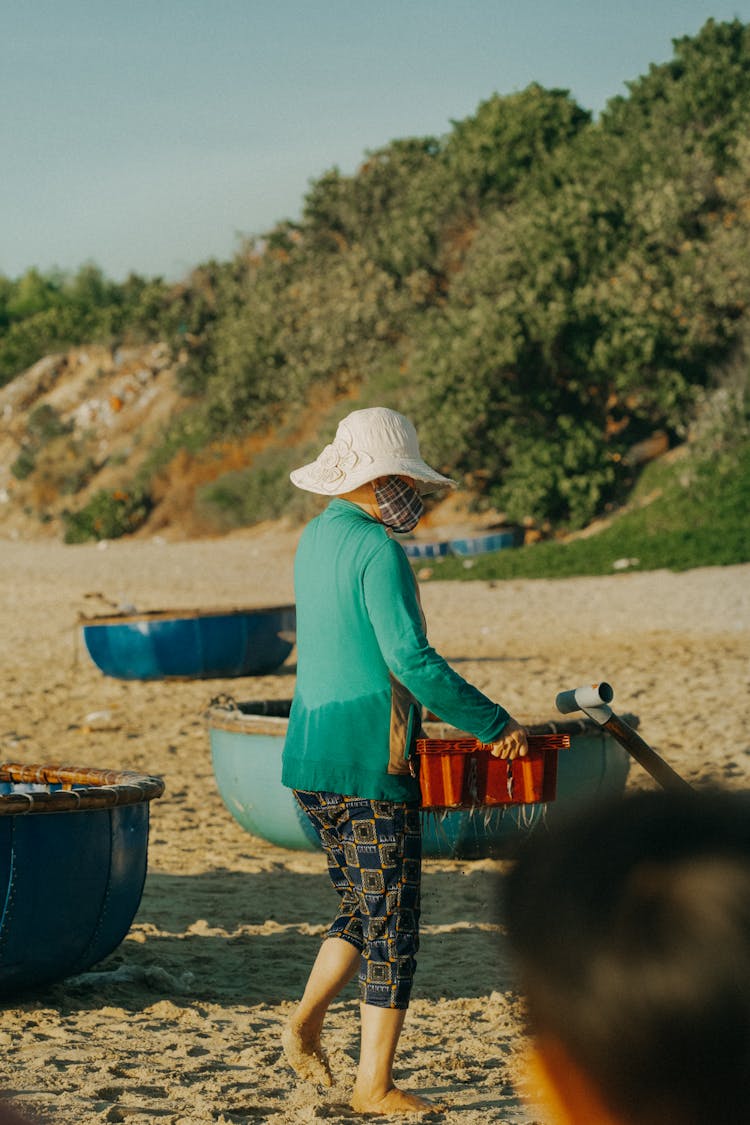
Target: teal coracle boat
191	644
73	857
246	742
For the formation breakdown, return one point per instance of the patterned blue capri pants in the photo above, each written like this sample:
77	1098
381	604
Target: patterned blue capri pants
374	851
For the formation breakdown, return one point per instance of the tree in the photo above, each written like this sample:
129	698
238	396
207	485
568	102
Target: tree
508	140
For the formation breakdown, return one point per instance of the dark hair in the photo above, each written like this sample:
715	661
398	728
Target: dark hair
631	928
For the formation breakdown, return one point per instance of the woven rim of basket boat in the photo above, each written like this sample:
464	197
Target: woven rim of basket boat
270	717
102	789
181	614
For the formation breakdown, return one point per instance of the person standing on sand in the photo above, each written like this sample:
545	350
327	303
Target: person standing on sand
364	670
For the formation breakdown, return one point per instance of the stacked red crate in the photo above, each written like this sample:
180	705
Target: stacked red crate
463	773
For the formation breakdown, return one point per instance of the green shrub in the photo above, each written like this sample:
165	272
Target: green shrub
45	423
24	464
107	515
260	492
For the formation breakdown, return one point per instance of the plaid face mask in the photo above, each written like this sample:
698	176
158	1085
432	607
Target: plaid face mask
400	504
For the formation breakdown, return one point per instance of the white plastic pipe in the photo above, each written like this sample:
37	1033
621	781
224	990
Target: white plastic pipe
591	699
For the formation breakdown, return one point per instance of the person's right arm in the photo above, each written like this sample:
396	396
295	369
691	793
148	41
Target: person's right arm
394	611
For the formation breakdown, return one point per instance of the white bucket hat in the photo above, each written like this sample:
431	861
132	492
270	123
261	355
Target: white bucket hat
371	443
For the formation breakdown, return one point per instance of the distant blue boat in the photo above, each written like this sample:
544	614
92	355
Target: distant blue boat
185	644
73	856
463	547
489	541
418	550
246	742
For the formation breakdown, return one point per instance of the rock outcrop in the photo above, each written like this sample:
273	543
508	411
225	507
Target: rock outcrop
78	422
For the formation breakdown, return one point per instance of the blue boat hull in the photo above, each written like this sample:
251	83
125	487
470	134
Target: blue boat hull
213	646
71	885
247	769
464	547
488	541
430	550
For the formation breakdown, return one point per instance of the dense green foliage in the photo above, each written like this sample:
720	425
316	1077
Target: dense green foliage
538	290
43	313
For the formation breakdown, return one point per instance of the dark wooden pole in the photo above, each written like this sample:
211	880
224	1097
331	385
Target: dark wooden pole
644	755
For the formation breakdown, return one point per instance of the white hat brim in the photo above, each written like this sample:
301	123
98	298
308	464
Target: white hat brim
334	482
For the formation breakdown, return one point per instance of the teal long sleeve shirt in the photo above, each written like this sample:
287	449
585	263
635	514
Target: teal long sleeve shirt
364	665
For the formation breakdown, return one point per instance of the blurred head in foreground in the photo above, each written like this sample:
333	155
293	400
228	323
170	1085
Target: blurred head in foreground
11	1115
631	930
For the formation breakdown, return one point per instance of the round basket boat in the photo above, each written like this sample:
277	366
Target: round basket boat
426	549
246	742
73	856
484	542
479	544
191	644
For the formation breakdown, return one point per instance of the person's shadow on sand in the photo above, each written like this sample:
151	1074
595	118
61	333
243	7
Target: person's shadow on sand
249	938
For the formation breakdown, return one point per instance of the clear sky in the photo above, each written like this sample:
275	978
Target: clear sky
149	135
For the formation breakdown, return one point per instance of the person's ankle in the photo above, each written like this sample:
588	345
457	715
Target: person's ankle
306	1029
306	1056
372	1091
389	1100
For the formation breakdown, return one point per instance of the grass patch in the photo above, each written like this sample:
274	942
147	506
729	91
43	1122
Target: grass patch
699	519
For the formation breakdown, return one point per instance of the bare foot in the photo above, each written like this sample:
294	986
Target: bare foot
395	1101
306	1057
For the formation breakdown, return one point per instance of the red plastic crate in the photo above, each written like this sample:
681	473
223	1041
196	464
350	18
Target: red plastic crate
462	773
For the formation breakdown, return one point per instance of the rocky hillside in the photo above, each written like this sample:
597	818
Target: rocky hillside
86	420
75	423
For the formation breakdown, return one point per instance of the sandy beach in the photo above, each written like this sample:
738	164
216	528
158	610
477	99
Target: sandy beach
181	1023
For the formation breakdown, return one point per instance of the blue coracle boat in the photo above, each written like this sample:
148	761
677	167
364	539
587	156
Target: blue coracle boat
246	742
426	550
73	857
185	644
464	547
485	541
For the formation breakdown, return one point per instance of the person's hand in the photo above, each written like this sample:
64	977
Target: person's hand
512	743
